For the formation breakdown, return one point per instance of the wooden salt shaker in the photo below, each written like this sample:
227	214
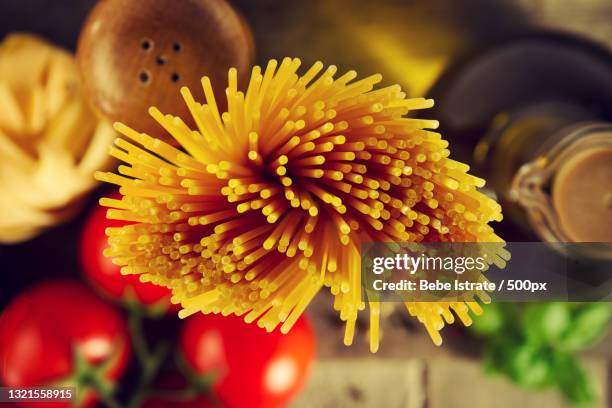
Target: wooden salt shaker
137	54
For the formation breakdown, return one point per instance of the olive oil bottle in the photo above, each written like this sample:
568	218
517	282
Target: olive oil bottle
534	116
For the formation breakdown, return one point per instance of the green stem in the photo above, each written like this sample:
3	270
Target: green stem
198	384
149	371
104	392
150	362
87	376
141	348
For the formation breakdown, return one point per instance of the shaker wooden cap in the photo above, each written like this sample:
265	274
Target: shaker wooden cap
137	54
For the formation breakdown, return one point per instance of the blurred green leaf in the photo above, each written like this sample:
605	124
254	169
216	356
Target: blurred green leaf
572	380
529	366
497	354
490	322
544	323
588	323
532	344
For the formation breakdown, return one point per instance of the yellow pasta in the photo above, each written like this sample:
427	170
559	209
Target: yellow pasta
267	203
50	141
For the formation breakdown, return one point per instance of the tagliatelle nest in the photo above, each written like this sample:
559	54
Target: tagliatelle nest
270	201
50	141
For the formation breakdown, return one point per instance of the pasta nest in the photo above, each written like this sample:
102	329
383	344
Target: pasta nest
269	202
50	141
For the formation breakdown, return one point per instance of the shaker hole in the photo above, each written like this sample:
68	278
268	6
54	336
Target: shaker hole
160	60
144	77
175	77
177	47
146	44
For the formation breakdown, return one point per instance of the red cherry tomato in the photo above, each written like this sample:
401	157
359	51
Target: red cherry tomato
253	368
44	329
105	275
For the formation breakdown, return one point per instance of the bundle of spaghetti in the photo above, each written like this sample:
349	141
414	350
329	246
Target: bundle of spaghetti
269	202
50	141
